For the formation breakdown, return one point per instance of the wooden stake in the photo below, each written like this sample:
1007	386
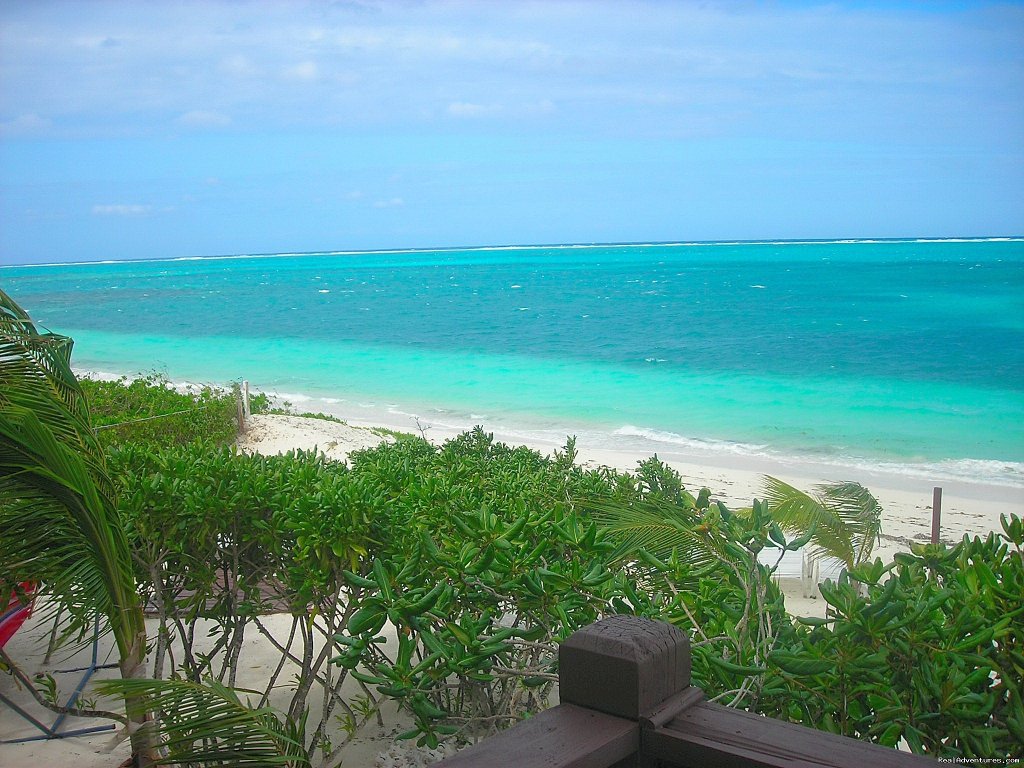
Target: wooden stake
936	513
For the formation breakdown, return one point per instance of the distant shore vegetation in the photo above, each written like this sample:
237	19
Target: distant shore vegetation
442	578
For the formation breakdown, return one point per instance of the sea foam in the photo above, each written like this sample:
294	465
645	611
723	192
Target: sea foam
656	436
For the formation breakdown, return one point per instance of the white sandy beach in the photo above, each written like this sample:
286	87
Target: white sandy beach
966	509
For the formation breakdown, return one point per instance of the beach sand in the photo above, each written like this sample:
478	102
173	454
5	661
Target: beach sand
967	508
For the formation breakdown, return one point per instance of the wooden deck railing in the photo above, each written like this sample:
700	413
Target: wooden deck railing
624	684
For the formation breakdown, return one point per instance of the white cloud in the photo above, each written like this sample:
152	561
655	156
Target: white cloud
394	202
239	65
199	118
472	110
398	39
306	70
121	209
605	65
24	125
542	107
97	41
468	109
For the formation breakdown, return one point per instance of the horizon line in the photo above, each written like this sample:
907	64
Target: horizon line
531	246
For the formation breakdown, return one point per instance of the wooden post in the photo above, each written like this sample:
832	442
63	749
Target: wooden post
246	411
626	666
627	702
617	679
936	513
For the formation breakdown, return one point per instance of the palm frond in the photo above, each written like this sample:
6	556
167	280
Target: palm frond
56	525
845	517
860	512
35	371
658	527
208	724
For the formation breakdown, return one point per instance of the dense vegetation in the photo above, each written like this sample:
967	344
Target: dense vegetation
441	578
149	411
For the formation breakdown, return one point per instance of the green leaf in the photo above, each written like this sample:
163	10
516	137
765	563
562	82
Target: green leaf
356	580
59	523
459	633
380	575
369	679
369	618
801	541
800	665
891	736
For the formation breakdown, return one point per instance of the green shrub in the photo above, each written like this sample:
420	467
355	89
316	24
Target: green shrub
932	654
481	557
149	411
488	563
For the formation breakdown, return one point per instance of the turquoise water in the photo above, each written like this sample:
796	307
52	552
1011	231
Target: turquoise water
893	352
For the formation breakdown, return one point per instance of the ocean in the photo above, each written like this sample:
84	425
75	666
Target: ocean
906	355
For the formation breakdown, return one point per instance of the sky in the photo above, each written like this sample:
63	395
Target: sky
159	130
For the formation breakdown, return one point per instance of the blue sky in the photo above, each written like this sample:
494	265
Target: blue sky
154	130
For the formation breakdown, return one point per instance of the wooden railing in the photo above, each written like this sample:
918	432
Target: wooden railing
626	700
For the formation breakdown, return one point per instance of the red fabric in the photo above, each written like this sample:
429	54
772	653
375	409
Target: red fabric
15	613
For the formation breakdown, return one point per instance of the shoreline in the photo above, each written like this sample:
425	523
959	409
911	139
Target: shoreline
979	479
971	507
735	477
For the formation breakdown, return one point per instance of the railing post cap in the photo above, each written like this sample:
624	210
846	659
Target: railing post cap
623	665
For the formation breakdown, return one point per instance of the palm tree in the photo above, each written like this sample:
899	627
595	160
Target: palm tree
841	520
58	520
60	528
845	517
